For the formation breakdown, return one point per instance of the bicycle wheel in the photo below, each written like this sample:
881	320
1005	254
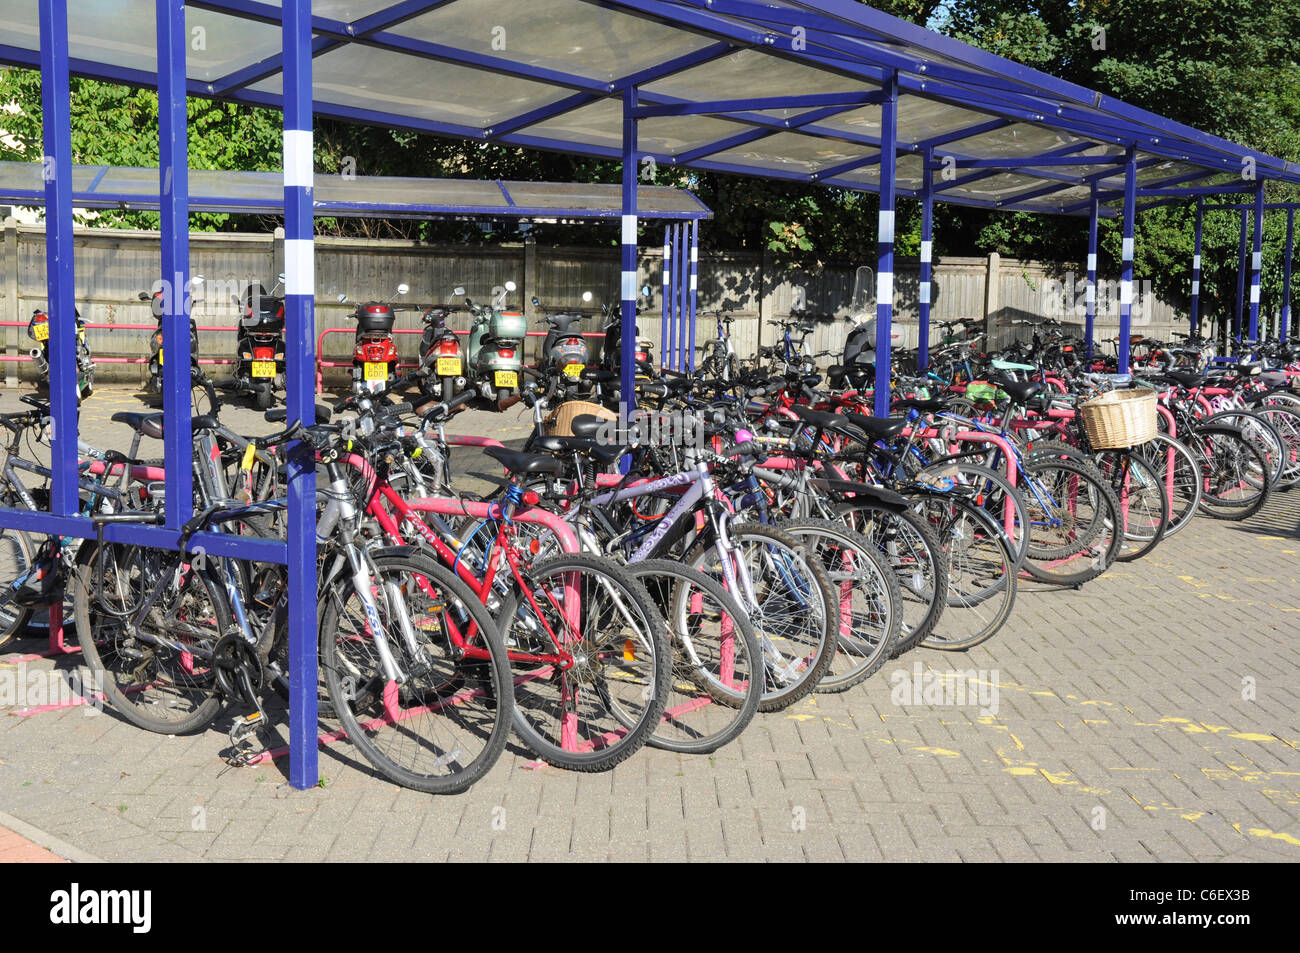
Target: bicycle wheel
1073	520
994	492
603	708
16	555
1144	508
1259	433
1285	422
1231	469
1178	473
717	669
157	676
789	599
982	577
445	724
870	604
909	545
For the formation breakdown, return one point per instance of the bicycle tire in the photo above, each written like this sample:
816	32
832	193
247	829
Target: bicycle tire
625	672
793	581
1226	457
451	699
1183	489
912	548
870	604
104	648
1143	504
1055	538
716	682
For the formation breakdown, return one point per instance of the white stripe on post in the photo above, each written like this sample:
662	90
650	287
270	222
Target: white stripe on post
693	286
924	296
885	287
1125	292
926	249
886	227
298	159
1090	293
1257	261
1254	294
299	267
629	284
1092	262
1196	262
1196	287
1127	250
629	229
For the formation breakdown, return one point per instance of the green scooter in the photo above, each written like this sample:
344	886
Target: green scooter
496	346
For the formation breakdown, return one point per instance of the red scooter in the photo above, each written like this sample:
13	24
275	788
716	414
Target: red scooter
374	355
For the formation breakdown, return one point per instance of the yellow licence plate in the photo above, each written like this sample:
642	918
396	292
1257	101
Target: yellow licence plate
506	379
574	371
262	368
160	357
42	330
376	371
448	366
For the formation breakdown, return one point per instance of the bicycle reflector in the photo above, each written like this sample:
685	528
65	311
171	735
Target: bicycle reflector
629	651
531	498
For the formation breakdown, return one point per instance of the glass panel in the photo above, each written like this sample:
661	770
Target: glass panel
908	176
565	35
361	77
788	150
997	187
601	124
1020	139
749	74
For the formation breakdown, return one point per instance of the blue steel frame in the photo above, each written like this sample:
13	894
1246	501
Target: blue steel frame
887	56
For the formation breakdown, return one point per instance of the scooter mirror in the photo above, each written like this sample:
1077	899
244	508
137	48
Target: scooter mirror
645	291
536	303
586	296
510	286
403	288
342	298
196	281
144	296
458	291
280	277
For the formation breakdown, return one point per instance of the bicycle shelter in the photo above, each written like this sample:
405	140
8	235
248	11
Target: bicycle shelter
816	91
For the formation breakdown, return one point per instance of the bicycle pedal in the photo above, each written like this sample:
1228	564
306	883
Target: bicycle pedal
247	726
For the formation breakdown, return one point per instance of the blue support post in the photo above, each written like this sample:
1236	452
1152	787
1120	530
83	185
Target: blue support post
1284	325
669	356
60	273
666	297
1126	259
1194	315
1090	292
1241	281
174	208
627	359
927	251
694	227
1256	262
300	362
885	241
683	276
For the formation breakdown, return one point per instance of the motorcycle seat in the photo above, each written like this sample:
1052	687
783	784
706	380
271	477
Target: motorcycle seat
148	424
523	463
561	322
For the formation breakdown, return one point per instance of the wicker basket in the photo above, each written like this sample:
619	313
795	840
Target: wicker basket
1120	418
559	424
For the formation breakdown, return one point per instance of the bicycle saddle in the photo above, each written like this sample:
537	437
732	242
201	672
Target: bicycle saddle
1021	391
528	463
148	424
878	427
589	425
927	406
1186	378
603	453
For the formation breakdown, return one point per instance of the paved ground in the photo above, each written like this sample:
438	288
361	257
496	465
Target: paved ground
1153	715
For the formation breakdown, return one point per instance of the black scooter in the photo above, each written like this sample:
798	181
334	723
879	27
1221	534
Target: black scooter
259	353
203	396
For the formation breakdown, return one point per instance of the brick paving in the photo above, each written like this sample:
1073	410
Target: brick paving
1150	716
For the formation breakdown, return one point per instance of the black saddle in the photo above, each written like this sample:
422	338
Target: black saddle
525	463
148	424
1022	391
1187	379
930	406
587	425
880	428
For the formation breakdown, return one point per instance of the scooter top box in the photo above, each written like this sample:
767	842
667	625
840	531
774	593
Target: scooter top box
374	317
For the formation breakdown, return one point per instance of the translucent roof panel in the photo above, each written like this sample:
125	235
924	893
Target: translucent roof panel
601	124
749	74
791	151
360	77
263	192
555	34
